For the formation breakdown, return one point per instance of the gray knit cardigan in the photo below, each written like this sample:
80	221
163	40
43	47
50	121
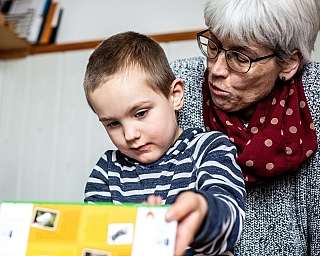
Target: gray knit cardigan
282	216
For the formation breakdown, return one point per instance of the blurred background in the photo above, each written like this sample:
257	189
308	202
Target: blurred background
49	138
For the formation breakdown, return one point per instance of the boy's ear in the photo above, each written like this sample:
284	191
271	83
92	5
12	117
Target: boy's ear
291	66
177	93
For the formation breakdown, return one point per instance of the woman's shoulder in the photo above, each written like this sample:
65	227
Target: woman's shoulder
183	68
191	71
311	77
311	84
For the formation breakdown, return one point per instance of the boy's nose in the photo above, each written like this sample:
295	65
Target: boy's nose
131	132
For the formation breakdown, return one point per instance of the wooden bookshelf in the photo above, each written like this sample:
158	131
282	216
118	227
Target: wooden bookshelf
13	47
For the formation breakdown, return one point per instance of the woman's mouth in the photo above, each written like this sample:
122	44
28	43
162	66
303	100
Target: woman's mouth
217	91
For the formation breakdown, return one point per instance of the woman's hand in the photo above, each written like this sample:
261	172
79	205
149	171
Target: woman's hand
190	210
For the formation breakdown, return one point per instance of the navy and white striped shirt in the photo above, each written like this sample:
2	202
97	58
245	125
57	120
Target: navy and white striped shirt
198	161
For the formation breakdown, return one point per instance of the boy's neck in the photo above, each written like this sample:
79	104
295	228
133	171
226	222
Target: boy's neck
178	133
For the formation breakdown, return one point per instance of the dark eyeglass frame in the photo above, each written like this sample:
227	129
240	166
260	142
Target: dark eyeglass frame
251	60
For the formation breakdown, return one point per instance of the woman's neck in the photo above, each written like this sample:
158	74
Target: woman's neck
246	114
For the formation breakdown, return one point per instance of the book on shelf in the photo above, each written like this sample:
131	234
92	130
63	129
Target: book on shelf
56	25
38	10
20	22
35	20
47	26
5	6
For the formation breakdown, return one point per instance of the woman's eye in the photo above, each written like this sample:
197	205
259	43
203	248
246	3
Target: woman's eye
141	113
113	124
241	58
212	47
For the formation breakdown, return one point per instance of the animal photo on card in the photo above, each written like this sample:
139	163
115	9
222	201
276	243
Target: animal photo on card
45	218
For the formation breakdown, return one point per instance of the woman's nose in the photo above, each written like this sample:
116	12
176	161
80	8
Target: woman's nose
131	132
218	66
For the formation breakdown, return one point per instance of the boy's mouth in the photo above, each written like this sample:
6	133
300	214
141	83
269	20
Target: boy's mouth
142	148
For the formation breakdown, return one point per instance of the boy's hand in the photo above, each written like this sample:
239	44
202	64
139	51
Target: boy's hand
190	210
154	200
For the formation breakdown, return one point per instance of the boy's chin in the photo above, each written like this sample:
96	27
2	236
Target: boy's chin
147	158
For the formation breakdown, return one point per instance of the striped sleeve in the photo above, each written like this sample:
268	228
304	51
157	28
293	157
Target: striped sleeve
219	180
97	186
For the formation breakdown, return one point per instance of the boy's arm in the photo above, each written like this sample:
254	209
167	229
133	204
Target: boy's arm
220	183
190	210
97	186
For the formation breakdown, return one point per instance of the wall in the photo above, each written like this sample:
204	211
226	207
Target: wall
49	138
91	19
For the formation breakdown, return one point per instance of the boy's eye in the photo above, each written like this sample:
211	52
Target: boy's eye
141	113
113	124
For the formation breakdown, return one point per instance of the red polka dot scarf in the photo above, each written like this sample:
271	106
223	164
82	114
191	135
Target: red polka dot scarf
279	137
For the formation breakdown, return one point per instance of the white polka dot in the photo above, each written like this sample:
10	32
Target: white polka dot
274	121
249	141
239	128
300	141
249	163
228	123
302	104
312	126
293	129
254	130
281	132
231	139
288	151
246	178
309	153
274	101
289	112
282	103
268	142
214	119
269	166
262	119
291	91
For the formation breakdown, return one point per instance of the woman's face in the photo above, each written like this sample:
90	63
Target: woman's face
232	91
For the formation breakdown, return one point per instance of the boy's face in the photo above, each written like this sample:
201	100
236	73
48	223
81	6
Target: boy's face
140	121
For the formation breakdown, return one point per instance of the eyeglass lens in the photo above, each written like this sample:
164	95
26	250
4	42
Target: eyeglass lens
235	60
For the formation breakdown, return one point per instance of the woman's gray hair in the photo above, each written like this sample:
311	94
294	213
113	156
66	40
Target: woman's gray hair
281	25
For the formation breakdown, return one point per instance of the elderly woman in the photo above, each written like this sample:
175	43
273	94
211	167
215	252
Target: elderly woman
260	88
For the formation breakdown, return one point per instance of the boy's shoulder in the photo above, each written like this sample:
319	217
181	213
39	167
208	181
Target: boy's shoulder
114	159
201	135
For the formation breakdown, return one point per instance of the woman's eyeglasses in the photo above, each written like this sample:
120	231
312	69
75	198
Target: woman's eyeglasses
236	61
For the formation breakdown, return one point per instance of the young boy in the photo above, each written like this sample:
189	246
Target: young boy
131	88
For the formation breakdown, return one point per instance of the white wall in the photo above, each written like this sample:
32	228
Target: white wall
49	138
94	19
46	128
